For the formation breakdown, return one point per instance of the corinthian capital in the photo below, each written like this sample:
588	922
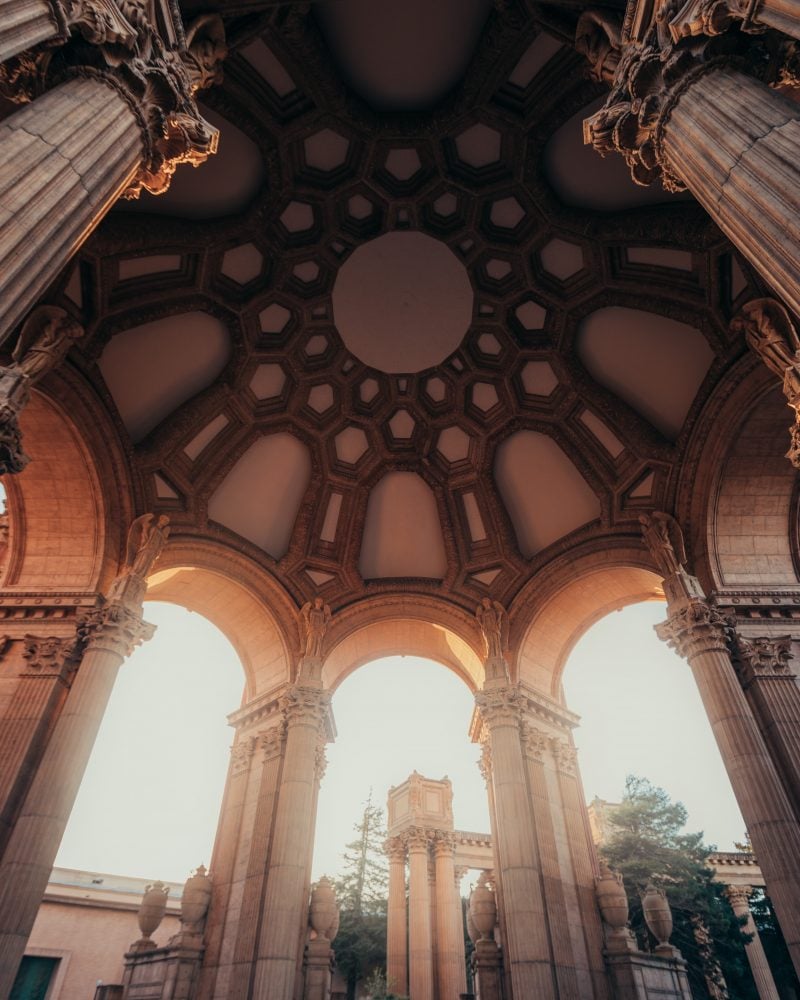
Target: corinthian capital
305	706
763	657
114	627
444	842
695	628
658	59
395	849
499	706
139	48
49	654
417	838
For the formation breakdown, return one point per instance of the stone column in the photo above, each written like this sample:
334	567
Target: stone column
25	23
710	17
516	859
685	113
111	633
397	918
451	960
420	955
283	917
701	633
42	685
773	692
106	128
739	898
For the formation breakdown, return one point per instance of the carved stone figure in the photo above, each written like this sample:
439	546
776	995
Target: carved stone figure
44	339
492	619
597	37
205	51
316	617
146	540
770	332
664	538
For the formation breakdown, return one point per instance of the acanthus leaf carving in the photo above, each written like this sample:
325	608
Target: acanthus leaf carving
395	849
499	706
50	654
241	754
305	705
534	741
115	627
695	628
565	756
762	656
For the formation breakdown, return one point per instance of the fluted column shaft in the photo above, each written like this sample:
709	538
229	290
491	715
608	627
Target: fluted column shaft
451	962
285	907
25	23
64	160
700	633
516	858
754	950
420	954
28	858
735	143
397	920
783	15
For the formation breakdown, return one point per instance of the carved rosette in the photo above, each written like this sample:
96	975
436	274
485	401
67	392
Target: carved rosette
49	654
534	742
659	60
762	657
696	628
117	42
115	628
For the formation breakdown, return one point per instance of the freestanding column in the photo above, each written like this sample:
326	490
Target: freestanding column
396	932
773	692
451	969
516	860
25	23
109	632
284	914
104	130
700	633
420	955
684	112
739	898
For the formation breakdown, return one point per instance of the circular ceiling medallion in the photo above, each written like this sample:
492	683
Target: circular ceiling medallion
402	302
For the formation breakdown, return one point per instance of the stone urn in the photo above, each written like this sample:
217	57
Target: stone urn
657	914
472	930
323	913
483	909
196	897
152	908
612	899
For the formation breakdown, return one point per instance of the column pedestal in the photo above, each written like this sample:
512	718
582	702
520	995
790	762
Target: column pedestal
318	963
738	897
487	970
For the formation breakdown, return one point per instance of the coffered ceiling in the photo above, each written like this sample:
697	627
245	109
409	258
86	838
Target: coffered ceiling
405	330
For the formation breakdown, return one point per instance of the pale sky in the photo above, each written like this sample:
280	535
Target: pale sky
148	805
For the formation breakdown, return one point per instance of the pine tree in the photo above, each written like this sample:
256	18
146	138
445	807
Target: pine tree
646	845
362	892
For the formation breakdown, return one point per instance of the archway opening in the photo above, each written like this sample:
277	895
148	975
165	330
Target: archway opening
149	800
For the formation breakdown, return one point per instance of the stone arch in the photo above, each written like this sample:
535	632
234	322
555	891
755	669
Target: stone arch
247	606
547	621
409	624
738	501
69	508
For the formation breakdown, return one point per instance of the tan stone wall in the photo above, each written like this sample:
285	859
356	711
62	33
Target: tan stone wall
90	941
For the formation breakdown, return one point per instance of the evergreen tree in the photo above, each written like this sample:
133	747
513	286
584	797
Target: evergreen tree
362	891
646	845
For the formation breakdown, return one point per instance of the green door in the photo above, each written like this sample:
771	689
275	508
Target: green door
33	978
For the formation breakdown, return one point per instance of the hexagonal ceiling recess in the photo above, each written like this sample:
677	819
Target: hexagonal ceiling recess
407	332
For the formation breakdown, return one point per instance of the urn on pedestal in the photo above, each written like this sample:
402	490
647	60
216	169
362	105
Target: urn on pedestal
658	917
151	913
